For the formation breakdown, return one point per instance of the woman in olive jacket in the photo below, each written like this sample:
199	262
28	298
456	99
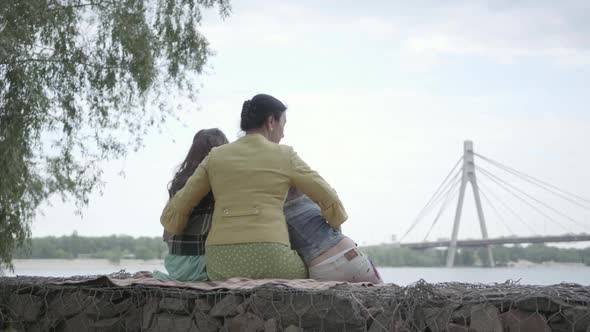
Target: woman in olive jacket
249	179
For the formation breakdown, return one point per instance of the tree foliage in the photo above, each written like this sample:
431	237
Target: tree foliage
116	247
388	255
80	82
110	247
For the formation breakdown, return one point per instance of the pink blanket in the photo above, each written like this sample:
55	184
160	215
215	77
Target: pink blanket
232	283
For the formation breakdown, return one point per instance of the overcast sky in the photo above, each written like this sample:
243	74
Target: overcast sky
381	96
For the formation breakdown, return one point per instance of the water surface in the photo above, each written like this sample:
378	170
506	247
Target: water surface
533	274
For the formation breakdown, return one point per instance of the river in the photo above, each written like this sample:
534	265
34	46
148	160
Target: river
528	274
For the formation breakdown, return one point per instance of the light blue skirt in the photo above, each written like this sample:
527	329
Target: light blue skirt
183	268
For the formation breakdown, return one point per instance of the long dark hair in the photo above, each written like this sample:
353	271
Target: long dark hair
203	142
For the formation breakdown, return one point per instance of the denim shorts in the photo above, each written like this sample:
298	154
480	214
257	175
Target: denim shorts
309	233
350	265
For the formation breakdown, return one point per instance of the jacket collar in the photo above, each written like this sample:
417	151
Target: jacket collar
253	138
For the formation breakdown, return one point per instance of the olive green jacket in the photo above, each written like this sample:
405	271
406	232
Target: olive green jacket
249	179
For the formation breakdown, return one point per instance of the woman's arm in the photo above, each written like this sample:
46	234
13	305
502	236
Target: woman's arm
178	209
314	186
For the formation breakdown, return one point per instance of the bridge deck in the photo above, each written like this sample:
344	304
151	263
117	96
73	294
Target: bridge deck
499	241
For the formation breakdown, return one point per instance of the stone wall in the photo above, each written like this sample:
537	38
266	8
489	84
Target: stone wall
37	305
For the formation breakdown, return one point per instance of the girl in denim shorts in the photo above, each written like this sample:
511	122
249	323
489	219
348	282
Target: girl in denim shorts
328	254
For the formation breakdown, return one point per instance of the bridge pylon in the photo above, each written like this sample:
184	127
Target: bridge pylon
468	176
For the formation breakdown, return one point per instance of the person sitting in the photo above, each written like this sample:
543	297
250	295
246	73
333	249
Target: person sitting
249	179
186	251
328	254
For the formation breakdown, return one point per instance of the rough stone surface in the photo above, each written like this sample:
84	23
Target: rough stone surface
334	312
205	323
203	305
384	324
387	321
111	324
373	312
67	305
105	308
228	306
485	318
272	308
575	319
38	307
558	323
462	315
26	306
293	328
34	327
132	321
149	310
579	317
541	304
520	321
171	322
247	322
175	305
271	325
75	324
436	319
245	306
459	328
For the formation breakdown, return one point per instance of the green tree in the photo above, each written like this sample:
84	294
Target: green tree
78	79
142	252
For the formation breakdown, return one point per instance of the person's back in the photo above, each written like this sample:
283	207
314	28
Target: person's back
249	180
186	251
328	254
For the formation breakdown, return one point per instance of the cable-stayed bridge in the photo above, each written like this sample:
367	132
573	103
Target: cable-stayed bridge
495	173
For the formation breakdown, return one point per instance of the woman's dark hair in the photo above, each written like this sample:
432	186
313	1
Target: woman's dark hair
203	142
256	110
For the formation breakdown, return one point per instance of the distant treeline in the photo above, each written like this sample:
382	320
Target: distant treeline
116	247
390	255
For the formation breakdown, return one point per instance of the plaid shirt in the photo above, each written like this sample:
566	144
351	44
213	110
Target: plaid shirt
192	241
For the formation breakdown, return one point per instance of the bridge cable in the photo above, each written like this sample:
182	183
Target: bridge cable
540	202
442	187
443	207
433	198
535	181
506	187
506	206
510	191
483	194
539	183
433	203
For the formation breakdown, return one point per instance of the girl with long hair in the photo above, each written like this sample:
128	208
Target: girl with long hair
186	251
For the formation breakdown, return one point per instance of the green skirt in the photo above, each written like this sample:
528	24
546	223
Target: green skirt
259	260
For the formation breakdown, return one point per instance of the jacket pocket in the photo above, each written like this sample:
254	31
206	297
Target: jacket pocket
240	211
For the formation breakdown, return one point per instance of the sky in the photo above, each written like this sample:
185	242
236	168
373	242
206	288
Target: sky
381	96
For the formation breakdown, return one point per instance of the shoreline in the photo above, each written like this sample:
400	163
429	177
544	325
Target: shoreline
41	263
97	262
534	274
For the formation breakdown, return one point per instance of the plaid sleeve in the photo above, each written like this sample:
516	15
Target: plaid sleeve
192	240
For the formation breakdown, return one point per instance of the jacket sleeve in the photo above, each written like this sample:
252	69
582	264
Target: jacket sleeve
177	211
314	186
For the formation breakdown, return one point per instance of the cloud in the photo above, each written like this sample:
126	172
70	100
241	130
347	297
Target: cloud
419	35
501	31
